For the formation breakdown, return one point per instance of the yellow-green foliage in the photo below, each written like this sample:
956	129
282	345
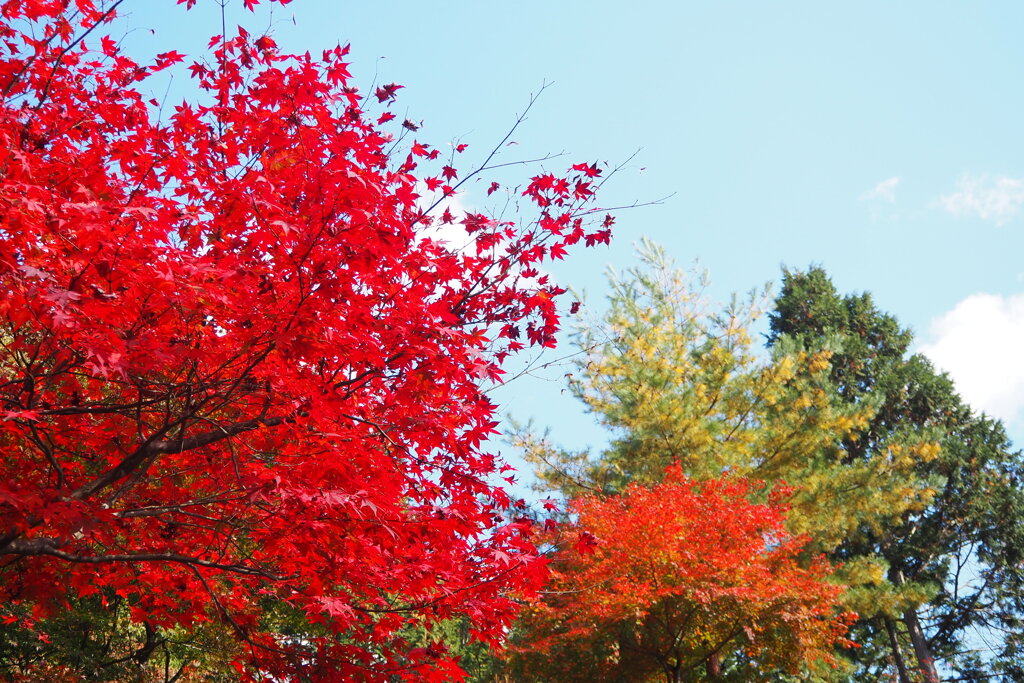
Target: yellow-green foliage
675	380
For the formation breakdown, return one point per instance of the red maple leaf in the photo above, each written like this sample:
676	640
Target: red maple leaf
388	92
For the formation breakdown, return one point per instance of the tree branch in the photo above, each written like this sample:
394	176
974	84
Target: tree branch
29	547
164	446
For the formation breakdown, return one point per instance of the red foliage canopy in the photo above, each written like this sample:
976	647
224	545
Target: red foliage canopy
233	369
666	582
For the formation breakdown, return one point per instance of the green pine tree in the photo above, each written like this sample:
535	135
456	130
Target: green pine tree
955	564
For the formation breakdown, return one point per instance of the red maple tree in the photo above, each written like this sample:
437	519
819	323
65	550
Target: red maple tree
234	369
668	582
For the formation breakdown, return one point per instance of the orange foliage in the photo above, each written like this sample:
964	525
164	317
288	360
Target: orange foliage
671	580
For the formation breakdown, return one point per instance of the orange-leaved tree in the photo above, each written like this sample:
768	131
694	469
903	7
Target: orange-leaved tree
661	582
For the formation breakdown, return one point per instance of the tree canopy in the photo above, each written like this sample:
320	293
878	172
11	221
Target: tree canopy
241	379
661	582
675	379
954	565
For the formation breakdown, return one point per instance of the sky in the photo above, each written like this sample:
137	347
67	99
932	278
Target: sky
880	140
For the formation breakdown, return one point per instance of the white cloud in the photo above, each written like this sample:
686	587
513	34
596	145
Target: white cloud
979	343
454	236
885	191
990	198
451	235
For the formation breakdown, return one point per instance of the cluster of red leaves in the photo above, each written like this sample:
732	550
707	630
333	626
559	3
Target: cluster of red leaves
663	579
233	371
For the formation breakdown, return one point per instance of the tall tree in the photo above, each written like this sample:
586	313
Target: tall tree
955	565
676	380
240	381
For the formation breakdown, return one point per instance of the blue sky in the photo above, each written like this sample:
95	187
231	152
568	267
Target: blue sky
881	140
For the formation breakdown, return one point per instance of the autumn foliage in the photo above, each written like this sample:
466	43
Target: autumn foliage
665	582
240	384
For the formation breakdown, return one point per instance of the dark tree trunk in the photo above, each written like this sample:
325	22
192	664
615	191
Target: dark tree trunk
897	653
925	658
714	665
